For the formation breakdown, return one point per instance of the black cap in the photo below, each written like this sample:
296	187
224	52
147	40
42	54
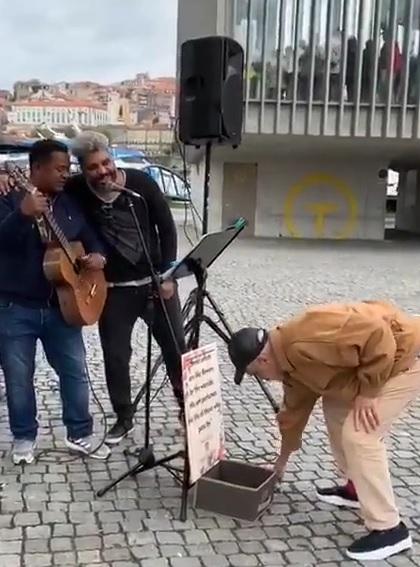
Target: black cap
244	347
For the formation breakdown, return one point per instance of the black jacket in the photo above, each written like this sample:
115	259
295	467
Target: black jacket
154	216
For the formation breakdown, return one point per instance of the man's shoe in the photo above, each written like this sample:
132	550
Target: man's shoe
339	496
119	431
23	451
89	446
380	544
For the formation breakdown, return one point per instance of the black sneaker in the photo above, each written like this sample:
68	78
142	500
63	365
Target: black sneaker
339	496
380	544
118	431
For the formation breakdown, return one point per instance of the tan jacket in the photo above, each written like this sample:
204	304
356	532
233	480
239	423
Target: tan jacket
339	351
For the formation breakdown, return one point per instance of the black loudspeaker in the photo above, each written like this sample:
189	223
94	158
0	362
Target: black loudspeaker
211	91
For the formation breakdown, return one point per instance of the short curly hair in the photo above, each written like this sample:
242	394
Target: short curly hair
88	142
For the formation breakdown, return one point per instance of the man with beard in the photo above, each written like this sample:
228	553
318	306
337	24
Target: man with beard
126	266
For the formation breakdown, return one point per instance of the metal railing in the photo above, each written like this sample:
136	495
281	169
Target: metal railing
330	67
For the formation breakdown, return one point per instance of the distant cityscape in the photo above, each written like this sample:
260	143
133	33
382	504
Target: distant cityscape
125	111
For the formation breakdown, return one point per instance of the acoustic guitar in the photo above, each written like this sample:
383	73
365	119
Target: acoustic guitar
81	292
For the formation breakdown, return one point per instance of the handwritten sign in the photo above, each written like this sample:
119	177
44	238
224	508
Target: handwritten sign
203	410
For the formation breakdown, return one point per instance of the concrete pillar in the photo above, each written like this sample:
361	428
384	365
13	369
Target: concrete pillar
408	202
197	18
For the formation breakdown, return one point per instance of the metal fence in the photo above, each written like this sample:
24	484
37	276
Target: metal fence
336	67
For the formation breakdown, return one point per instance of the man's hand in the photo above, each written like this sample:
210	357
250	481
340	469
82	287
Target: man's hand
5	186
167	289
93	261
365	414
280	464
34	204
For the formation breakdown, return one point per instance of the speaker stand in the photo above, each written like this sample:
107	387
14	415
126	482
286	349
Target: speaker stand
204	229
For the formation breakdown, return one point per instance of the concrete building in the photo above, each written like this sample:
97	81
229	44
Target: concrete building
56	111
331	100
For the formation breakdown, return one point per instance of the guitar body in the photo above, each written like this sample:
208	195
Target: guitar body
81	295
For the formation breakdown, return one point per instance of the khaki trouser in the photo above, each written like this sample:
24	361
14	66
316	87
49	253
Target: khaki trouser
361	456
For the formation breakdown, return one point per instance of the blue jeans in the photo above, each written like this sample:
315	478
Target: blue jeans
20	329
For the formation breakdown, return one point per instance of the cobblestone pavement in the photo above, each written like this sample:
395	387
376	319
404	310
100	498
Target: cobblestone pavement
51	516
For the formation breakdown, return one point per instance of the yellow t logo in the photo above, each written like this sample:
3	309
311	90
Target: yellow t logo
320	212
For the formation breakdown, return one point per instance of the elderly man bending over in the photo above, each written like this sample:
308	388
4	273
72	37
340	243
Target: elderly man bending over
361	359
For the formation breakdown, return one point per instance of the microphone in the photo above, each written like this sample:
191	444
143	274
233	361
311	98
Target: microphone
121	189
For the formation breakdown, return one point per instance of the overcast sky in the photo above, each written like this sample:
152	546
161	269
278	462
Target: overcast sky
98	40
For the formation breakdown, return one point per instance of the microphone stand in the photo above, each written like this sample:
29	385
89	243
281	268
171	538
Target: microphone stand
145	456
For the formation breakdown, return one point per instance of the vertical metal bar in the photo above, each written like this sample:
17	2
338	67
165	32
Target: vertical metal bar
390	70
408	26
234	14
358	78
279	78
264	67
247	65
312	41
343	66
373	68
416	121
330	13
298	5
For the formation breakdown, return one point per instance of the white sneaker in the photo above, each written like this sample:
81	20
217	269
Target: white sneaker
89	446
23	451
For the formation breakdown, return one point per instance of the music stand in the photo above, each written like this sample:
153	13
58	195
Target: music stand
196	263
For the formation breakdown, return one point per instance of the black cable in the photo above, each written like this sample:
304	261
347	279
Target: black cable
41	455
181	150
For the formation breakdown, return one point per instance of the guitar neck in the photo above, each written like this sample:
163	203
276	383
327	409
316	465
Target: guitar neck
23	183
59	236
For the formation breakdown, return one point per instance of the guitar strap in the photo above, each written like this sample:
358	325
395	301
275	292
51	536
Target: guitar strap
43	228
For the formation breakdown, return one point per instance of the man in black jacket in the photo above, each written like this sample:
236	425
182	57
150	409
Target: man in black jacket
126	267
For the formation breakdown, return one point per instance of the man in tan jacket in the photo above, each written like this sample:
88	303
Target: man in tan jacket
361	359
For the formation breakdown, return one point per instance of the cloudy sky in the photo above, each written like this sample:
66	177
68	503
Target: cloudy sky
98	40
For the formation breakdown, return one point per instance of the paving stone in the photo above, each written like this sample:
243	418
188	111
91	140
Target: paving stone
271	559
88	542
27	519
243	560
8	534
10	561
215	561
37	546
145	551
37	560
169	537
301	558
64	558
86	557
121	554
185	562
220	535
61	544
10	547
162	562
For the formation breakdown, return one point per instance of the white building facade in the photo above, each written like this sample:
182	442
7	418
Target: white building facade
331	99
57	113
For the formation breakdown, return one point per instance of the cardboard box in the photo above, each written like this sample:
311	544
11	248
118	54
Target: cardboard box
239	490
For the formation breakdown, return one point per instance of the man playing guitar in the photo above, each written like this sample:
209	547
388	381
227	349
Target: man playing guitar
29	306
